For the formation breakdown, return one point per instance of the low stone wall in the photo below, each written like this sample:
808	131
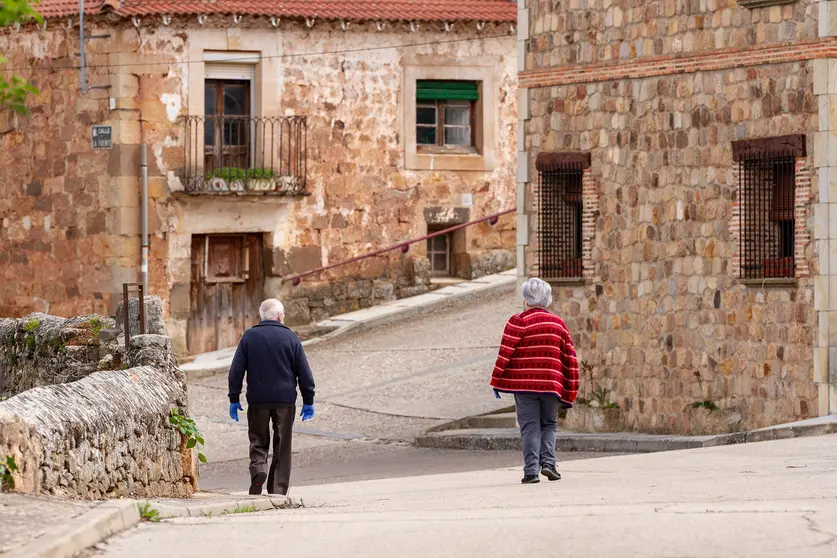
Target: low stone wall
315	300
106	435
488	263
42	350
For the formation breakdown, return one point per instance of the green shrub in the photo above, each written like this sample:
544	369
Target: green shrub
710	405
96	326
147	513
233	173
7	467
187	427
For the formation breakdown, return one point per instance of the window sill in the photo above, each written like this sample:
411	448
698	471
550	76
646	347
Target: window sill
754	4
446	150
566	281
774	283
421	160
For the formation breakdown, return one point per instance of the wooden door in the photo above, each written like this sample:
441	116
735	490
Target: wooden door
227	285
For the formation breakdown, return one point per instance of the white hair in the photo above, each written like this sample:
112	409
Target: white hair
537	293
272	309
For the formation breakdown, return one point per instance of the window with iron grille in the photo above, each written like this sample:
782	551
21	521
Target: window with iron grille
560	208
766	196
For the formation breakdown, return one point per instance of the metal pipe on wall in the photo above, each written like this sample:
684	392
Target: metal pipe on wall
81	46
144	215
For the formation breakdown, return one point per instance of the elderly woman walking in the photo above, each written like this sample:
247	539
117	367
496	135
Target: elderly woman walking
538	364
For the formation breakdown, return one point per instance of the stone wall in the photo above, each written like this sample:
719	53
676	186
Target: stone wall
67	229
317	298
104	435
70	214
661	314
584	32
42	350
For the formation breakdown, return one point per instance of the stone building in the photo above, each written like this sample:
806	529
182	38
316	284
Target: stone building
676	174
281	137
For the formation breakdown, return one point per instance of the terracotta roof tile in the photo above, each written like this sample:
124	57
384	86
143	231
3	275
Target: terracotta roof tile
355	10
58	8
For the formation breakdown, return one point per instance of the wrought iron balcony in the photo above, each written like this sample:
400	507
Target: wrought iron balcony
245	155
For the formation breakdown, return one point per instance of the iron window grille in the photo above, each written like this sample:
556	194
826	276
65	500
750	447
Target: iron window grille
560	209
766	195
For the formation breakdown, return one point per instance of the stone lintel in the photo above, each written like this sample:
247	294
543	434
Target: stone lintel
447	215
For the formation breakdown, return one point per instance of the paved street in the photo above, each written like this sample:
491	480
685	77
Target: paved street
772	499
376	392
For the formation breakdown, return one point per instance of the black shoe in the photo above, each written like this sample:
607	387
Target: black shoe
530	479
550	473
256	483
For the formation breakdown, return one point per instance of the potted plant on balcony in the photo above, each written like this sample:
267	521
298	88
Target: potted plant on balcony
216	183
260	180
235	179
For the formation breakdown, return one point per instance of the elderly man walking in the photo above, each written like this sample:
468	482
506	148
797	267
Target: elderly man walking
538	364
274	362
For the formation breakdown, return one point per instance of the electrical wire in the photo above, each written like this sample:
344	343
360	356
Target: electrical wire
275	56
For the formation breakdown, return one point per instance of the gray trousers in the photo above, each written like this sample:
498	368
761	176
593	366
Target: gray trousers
537	415
258	426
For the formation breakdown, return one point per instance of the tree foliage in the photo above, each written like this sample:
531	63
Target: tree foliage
13	91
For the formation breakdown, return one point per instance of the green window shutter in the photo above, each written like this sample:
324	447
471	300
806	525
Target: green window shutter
446	90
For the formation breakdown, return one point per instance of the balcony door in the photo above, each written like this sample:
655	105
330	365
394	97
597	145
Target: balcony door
227	137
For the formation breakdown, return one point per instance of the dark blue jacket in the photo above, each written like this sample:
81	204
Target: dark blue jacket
272	357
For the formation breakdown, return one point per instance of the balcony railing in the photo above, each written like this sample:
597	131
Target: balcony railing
245	155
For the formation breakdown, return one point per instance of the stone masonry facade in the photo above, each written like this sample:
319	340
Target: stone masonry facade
70	214
657	92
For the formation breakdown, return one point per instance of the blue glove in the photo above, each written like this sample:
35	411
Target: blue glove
307	412
497	394
234	408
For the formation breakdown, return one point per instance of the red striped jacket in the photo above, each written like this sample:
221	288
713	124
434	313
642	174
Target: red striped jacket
537	355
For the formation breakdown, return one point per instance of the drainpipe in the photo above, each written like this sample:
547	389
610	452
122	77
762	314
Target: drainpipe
81	46
144	215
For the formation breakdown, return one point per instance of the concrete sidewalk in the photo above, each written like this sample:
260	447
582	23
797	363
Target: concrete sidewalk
218	362
770	500
45	527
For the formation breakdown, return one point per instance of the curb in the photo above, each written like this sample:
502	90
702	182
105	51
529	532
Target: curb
405	313
215	509
86	530
440	299
509	439
116	516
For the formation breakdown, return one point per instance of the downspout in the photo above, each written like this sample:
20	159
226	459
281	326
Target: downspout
81	46
144	213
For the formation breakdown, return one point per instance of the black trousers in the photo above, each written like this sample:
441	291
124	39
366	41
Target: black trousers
259	429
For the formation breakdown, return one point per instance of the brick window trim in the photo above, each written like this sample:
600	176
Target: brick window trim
545	160
792	145
802	236
589	214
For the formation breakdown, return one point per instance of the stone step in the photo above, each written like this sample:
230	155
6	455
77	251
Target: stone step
509	439
617	442
502	420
